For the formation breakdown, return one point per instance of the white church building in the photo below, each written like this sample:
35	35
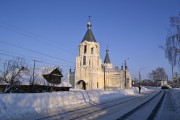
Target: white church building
91	73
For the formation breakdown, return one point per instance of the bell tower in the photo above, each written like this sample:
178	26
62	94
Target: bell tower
88	61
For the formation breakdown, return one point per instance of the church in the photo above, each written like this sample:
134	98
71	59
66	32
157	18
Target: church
91	73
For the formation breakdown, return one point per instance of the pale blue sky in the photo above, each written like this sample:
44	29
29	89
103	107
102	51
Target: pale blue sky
131	28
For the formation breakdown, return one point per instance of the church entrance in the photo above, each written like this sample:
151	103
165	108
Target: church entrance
82	84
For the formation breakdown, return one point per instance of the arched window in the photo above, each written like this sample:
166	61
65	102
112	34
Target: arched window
85	49
84	60
92	50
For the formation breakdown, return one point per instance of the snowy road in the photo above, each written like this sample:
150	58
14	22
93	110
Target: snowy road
114	109
166	111
126	104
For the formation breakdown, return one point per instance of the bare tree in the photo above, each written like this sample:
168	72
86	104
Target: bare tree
152	75
1	80
171	52
172	47
158	74
13	70
174	38
34	78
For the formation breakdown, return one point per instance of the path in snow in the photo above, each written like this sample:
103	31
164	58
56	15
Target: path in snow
138	109
107	110
166	111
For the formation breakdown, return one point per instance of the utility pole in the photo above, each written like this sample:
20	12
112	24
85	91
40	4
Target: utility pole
34	70
125	73
104	77
125	84
139	78
140	74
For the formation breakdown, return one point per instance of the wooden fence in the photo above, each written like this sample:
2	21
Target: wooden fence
32	89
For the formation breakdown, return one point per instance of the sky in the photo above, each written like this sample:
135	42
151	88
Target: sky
51	31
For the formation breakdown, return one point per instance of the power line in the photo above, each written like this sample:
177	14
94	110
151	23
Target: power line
31	35
33	51
27	57
5	54
31	59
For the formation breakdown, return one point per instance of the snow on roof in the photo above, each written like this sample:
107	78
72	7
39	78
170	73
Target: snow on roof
37	75
65	84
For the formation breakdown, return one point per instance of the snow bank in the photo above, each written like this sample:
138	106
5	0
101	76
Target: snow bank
21	104
175	97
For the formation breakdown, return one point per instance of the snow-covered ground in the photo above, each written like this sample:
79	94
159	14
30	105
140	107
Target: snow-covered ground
175	97
16	106
21	104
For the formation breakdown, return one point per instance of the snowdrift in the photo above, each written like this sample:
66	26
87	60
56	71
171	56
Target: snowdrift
23	104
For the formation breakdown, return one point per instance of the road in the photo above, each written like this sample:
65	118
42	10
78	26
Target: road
166	111
145	106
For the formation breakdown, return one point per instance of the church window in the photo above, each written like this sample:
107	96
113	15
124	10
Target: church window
85	49
92	50
84	60
127	80
89	62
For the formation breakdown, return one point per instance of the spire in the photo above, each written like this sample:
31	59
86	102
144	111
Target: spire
89	35
107	59
89	23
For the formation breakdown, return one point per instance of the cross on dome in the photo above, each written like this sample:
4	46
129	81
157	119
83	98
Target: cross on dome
89	23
